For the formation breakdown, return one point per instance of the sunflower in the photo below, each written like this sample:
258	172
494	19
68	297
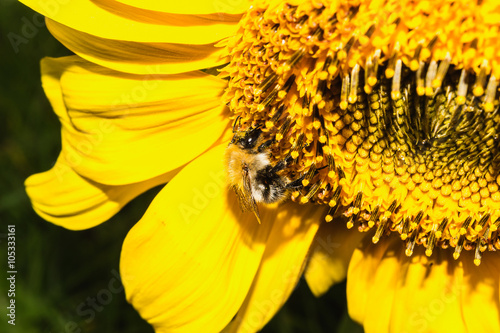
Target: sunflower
385	113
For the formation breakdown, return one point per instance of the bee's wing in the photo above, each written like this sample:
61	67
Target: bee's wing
247	202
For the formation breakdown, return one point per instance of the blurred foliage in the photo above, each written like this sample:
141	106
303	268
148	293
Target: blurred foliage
67	281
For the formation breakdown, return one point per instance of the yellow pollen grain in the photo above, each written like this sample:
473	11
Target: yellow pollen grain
323	75
478	91
461	100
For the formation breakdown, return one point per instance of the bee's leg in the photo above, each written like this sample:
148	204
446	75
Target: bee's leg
296	184
264	145
282	164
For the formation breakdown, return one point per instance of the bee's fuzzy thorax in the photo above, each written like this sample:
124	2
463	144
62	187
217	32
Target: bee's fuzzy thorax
236	159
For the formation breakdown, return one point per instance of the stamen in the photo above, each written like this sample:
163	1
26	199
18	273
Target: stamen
431	74
372	74
309	175
478	89
491	91
334	204
374	216
406	228
442	227
345	51
415	61
431	241
368	70
481	247
383	222
428	50
312	192
396	81
482	222
416	221
284	129
465	225
441	72
323	75
268	82
471	52
344	92
333	68
459	247
276	117
462	88
354	84
410	245
354	210
368	34
420	79
389	72
294	59
494	227
331	166
478	255
269	99
297	147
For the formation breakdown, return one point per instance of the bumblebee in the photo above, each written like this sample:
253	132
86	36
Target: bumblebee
250	173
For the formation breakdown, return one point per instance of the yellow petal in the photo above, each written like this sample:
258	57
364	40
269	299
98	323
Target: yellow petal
363	265
188	263
389	292
331	252
426	295
191	7
121	128
281	267
63	197
114	20
136	57
479	293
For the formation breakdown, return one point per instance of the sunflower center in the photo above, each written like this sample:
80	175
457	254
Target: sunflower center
390	117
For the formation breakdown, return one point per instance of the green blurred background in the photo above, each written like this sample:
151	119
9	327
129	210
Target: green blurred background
60	273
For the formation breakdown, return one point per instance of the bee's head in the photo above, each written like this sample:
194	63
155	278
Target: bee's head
247	139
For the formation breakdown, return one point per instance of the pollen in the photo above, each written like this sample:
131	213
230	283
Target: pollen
387	111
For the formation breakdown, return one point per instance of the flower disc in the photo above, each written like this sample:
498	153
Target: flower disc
390	118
